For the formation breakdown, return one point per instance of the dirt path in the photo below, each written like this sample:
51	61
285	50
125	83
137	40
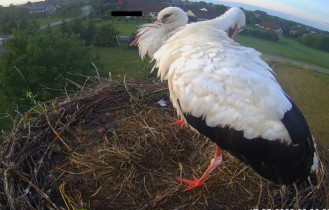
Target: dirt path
316	68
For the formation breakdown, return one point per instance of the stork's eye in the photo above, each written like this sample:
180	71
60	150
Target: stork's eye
166	16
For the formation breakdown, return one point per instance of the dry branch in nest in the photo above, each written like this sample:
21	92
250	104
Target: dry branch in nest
110	147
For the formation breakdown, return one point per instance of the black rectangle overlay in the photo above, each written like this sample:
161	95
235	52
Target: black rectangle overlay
126	13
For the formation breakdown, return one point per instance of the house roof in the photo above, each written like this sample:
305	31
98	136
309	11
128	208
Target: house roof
146	6
270	25
38	6
5	36
205	13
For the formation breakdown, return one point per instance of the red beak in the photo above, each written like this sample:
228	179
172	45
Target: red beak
157	22
232	32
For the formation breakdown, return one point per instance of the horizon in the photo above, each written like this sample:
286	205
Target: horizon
6	3
300	11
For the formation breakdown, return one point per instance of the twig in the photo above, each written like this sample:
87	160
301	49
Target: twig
74	83
9	188
44	195
131	96
260	192
96	70
57	135
297	196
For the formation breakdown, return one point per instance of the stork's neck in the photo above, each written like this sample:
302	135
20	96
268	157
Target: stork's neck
223	22
229	19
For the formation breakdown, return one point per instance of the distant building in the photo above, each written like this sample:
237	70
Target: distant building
2	41
148	8
271	26
202	14
45	8
3	38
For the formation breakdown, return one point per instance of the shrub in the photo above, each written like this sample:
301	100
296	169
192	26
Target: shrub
105	35
37	64
317	41
261	34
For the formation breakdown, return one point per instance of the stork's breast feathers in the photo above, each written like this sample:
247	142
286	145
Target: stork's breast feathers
152	36
231	87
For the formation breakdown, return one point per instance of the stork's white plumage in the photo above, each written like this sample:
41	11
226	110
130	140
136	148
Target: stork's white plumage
151	37
228	93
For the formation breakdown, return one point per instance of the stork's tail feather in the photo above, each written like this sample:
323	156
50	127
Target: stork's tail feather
313	178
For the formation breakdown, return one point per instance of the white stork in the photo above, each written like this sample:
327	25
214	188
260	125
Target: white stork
228	93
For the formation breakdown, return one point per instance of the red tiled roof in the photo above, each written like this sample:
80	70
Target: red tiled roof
210	14
270	25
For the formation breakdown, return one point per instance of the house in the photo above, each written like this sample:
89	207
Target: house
45	8
3	38
202	14
148	8
271	26
2	41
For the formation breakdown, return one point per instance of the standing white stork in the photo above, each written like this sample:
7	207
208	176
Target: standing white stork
152	36
228	93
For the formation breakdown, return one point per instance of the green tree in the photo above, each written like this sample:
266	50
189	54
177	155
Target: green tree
220	8
105	35
318	41
13	18
39	63
69	10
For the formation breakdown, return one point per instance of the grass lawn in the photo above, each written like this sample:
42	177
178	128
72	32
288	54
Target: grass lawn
128	28
42	21
125	28
287	48
121	61
309	90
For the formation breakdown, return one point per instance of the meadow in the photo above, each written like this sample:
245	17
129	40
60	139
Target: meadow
287	48
43	21
309	90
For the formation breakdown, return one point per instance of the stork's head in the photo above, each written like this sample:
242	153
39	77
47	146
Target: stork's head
168	19
172	17
233	21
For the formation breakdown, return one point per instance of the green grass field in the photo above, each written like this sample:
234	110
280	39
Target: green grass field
128	28
121	61
42	21
309	90
287	48
125	28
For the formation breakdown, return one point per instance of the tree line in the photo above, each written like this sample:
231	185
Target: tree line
261	34
40	64
318	41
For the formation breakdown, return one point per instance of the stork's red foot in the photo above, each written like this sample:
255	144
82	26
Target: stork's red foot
216	161
181	122
191	184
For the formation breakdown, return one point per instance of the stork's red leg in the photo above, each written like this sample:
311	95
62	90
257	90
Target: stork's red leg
181	122
216	161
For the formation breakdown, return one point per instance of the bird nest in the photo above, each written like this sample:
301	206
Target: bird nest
110	147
